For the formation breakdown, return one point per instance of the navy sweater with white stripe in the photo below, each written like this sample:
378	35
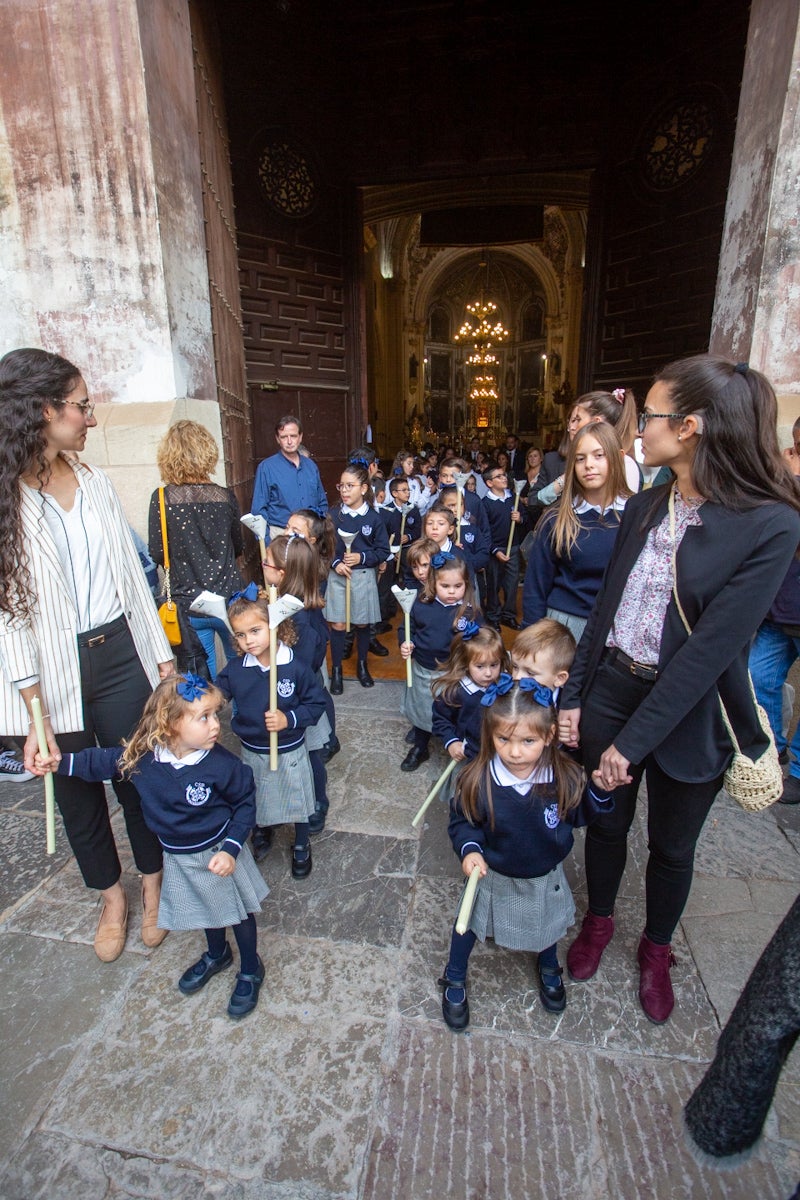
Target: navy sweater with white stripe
300	697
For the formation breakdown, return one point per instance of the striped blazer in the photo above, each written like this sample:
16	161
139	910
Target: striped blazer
46	643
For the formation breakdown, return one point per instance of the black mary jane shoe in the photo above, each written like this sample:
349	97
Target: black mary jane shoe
377	648
384	627
413	759
409	738
316	822
198	975
551	989
301	862
337	683
456	1015
333	746
362	674
262	841
240	1006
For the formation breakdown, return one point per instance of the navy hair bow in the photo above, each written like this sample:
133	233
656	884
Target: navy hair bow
441	557
503	685
398	471
470	629
192	687
358	462
249	593
541	694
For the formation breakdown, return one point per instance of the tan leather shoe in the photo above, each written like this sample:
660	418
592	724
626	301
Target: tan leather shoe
109	940
152	936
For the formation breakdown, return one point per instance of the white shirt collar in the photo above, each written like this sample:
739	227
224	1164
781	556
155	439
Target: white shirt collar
494	496
285	654
361	511
470	686
504	777
446	548
163	754
583	506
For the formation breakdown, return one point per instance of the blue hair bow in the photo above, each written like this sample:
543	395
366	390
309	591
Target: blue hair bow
192	686
470	629
398	471
541	694
503	685
441	557
249	593
359	462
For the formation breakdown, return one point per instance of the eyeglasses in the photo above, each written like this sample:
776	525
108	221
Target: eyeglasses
86	407
644	417
345	487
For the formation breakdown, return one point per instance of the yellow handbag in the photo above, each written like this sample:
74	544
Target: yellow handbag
168	611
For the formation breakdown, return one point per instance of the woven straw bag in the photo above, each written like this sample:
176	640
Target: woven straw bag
752	783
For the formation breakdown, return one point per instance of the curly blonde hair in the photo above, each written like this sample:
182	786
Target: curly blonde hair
187	453
163	710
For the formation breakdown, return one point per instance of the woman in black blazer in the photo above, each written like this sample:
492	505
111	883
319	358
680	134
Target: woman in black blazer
643	696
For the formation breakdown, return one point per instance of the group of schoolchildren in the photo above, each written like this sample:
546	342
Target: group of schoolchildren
517	794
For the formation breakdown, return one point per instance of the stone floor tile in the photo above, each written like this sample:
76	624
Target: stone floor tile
711	896
308	978
735	843
25	859
772	896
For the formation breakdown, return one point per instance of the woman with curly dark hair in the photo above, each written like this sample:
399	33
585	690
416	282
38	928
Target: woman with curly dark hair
78	626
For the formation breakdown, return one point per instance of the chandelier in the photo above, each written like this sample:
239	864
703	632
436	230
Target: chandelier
483	331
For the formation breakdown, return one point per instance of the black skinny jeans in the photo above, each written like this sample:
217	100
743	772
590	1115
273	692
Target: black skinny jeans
114	689
675	817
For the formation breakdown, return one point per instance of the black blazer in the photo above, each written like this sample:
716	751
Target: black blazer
729	570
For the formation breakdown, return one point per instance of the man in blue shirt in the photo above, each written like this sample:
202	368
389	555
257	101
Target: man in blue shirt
287	481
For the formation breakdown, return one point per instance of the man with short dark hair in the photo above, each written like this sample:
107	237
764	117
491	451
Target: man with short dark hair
516	457
287	480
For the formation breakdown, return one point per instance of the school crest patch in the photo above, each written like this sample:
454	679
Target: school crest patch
551	816
366	530
197	794
461	624
285	687
469	537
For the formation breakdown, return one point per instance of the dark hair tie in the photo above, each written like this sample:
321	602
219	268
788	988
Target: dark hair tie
742	368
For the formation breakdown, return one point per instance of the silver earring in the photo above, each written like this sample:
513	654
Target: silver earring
679	436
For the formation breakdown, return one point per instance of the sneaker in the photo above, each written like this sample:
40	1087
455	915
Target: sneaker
791	790
12	768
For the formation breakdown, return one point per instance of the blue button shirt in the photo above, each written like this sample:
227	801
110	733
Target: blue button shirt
281	488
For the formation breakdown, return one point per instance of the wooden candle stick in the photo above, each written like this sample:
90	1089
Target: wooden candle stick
519	484
49	791
405	598
468	901
258	525
348	539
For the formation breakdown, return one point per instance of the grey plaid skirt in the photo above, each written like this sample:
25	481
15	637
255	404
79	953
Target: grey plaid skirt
416	704
319	735
365	607
192	897
523	914
286	794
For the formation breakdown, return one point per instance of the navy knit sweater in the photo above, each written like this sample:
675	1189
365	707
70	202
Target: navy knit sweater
460	722
312	641
498	514
300	696
188	808
569	584
432	631
371	541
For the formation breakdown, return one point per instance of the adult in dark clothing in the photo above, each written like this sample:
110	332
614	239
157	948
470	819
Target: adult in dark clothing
516	457
643	694
204	530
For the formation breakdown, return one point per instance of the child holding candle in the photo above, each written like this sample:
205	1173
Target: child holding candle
446	606
286	795
318	532
355	566
515	807
502	570
199	800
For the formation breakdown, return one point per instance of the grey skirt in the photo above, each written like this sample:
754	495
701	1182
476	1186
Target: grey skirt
417	702
365	607
192	897
575	625
523	914
318	735
286	794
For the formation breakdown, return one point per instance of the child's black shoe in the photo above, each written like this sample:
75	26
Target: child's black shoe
245	994
551	989
198	975
262	840
316	822
301	862
455	1012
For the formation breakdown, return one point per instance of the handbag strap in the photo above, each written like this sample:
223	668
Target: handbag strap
687	626
165	547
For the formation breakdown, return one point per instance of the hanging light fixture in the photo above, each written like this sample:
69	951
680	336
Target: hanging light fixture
483	331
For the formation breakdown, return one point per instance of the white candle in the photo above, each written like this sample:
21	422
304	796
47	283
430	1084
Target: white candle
49	793
445	775
467	901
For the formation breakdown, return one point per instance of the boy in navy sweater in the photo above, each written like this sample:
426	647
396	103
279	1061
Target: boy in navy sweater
502	571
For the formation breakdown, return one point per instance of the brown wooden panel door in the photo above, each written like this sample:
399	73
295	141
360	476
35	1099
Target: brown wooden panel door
324	414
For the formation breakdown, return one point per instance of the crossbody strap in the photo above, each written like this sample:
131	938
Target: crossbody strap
162	506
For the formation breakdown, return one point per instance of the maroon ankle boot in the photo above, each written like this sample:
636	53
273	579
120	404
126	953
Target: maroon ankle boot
655	988
583	956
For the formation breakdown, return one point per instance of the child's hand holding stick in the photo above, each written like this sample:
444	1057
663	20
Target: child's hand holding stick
519	484
468	899
405	598
49	792
348	539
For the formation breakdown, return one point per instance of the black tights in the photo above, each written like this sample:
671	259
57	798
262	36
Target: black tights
245	934
363	636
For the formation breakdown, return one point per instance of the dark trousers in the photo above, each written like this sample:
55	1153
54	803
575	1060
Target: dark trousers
502	578
676	811
115	690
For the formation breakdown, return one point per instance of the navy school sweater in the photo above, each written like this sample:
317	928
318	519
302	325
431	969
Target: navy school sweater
498	514
371	541
568	584
432	631
312	640
300	696
460	722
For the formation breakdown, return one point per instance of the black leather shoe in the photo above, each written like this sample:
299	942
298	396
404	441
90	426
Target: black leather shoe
337	685
377	648
413	759
349	639
198	975
456	1015
384	627
316	822
362	674
510	622
551	989
262	841
240	1006
333	746
409	738
301	863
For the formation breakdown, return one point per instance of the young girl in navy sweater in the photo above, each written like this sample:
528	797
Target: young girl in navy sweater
285	795
512	817
477	659
368	550
445	607
199	801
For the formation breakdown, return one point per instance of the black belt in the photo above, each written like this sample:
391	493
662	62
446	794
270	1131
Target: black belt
96	637
613	654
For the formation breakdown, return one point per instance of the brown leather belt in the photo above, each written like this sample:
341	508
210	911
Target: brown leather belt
640	670
96	637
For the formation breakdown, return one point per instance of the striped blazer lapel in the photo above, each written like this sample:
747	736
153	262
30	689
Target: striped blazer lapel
39	541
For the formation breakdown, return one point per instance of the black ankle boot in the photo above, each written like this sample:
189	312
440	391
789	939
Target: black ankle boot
377	648
337	685
363	675
349	638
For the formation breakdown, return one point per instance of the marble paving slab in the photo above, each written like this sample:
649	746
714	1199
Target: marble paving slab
735	843
26	862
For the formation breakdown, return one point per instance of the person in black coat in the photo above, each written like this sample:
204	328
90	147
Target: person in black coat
644	695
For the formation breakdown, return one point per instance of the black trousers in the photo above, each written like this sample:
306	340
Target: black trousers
114	689
676	811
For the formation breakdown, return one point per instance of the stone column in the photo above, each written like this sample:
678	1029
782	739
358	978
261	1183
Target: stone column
102	247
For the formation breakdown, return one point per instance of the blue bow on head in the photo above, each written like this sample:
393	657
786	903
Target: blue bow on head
441	557
249	593
541	694
192	687
503	685
469	631
398	471
359	462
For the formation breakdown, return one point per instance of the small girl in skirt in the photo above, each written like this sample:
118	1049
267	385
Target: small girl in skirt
446	606
477	659
286	795
290	564
199	801
370	547
515	807
418	562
